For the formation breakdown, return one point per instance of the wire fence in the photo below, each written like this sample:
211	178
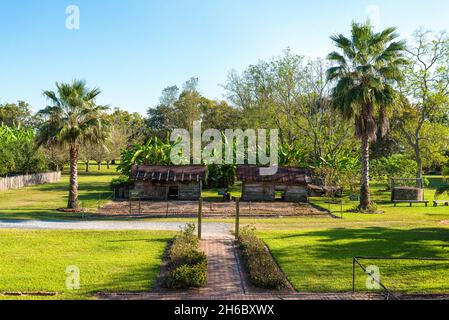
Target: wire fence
405	274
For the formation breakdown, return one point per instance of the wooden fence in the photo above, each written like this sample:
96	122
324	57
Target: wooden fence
17	182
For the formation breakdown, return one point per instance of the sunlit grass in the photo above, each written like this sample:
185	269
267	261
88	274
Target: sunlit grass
110	261
321	260
42	201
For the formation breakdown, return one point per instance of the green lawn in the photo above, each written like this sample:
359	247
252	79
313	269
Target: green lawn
41	202
125	261
316	254
321	260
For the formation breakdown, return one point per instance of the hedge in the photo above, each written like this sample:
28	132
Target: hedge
187	265
262	269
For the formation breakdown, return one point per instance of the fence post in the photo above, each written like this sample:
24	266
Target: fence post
237	217
200	217
353	275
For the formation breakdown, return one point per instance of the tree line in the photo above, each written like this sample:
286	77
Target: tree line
376	107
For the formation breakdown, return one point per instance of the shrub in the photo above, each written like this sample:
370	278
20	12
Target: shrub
398	165
187	265
19	153
221	176
116	182
262	269
188	276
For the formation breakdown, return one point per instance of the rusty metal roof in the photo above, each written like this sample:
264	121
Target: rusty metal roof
168	173
287	175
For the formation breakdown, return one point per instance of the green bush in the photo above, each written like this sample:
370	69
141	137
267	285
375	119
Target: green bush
188	276
19	153
396	166
262	269
221	176
116	182
187	265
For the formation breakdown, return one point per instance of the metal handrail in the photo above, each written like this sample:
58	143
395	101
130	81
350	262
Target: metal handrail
387	291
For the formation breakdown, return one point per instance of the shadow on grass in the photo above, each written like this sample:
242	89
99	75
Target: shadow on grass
322	260
376	241
39	215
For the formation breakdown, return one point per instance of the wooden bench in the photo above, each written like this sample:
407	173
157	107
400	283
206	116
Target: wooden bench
438	202
411	202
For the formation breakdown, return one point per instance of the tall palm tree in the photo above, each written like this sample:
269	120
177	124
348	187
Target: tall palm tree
365	72
73	119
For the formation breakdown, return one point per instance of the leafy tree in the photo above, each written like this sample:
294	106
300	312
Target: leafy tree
179	109
424	106
73	119
56	155
292	95
221	176
387	168
7	161
19	153
341	170
15	114
366	67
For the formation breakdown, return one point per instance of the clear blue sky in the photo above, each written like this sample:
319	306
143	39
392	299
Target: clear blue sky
132	49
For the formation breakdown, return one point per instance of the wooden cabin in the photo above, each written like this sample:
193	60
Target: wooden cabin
288	184
161	183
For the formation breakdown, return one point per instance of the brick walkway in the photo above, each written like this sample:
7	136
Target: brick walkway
224	276
226	281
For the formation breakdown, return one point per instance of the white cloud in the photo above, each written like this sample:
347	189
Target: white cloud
373	12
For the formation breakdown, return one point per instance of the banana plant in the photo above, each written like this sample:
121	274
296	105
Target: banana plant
154	152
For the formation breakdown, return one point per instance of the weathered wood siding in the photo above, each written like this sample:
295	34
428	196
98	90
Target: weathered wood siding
190	191
267	192
18	182
296	194
159	191
151	191
259	192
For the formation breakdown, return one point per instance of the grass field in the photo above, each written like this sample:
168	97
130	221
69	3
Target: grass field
321	260
108	261
41	202
315	253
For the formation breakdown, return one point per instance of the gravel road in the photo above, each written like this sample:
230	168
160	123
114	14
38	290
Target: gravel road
208	228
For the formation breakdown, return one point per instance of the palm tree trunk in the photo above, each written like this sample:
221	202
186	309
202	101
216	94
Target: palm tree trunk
73	189
365	200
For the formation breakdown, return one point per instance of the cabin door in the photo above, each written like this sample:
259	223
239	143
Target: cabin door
173	193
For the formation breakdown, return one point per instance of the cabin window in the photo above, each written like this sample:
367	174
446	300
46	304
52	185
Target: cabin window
173	192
